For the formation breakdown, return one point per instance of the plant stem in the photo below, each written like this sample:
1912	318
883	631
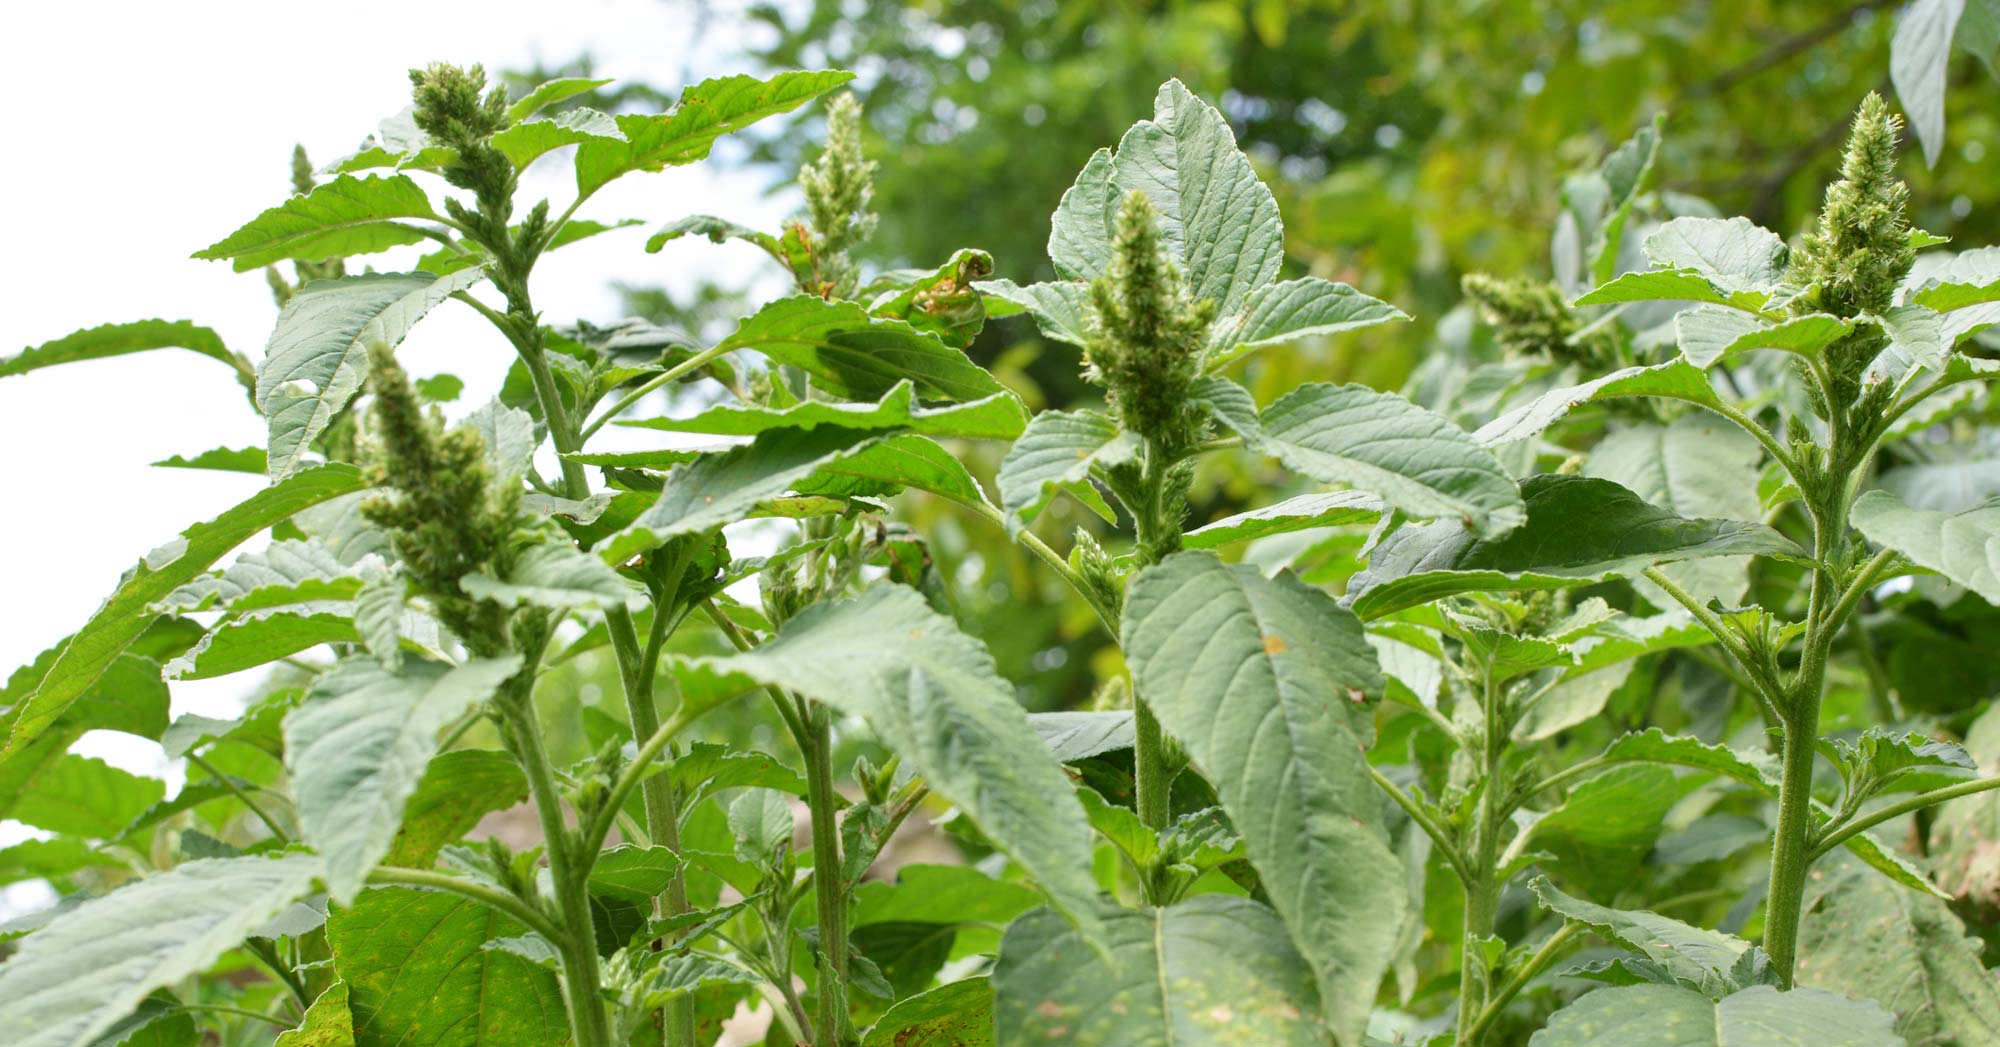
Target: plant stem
1544	955
671	374
1157	527
1846	831
1482	884
491	897
242	795
263	951
1439	838
829	890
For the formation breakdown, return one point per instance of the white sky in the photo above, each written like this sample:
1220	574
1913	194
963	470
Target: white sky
142	132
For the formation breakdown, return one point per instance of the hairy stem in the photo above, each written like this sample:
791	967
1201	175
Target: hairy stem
1482	882
829	889
1544	955
1848	830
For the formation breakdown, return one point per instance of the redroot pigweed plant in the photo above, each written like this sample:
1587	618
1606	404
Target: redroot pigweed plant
1547	652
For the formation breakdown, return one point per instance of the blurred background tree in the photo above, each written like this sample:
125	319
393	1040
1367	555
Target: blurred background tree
1409	142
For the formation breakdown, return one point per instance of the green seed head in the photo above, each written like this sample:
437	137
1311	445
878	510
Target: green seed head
1860	249
1146	332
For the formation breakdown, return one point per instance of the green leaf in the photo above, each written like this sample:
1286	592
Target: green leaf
996	417
548	93
855	356
1267	682
1708	334
1661	285
108	340
1667	1016
1213	971
1217	219
1080	230
285	572
636	874
705	112
129	611
1962	546
522	143
92	965
555	575
1286	312
1303	513
158	1022
1919	57
947	894
720	489
84	796
717	230
1892	761
931	694
1675	379
222	459
1389	447
959	1014
418	974
327	1023
358	745
761	822
1702	959
1060	308
1698	465
1734	254
322	342
1579	530
887	466
1073	736
1868	939
344	217
457	789
1965	287
1057	452
237	644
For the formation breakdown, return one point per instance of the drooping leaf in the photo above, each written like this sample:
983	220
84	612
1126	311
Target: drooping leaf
1073	736
126	615
1058	307
222	459
1389	447
1303	513
933	697
237	644
853	355
1286	312
1605	829
548	93
705	112
1656	285
321	342
92	965
1919	55
1700	958
346	216
555	575
1709	334
418	974
999	416
1267	683
525	141
108	340
1734	254
1675	379
887	466
1962	546
1212	971
1870	939
1699	466
723	488
1578	530
84	796
359	744
1056	452
1080	231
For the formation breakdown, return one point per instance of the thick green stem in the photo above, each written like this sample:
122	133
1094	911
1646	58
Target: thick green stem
1150	768
1157	524
1482	884
829	885
1791	856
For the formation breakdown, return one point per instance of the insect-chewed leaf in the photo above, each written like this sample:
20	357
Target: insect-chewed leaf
80	975
1669	1016
857	356
359	744
1578	530
1267	682
126	615
932	695
347	216
705	112
327	1023
1212	971
418	974
1962	546
1389	447
322	340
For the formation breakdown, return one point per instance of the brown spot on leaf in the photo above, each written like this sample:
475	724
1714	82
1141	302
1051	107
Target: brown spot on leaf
1274	644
